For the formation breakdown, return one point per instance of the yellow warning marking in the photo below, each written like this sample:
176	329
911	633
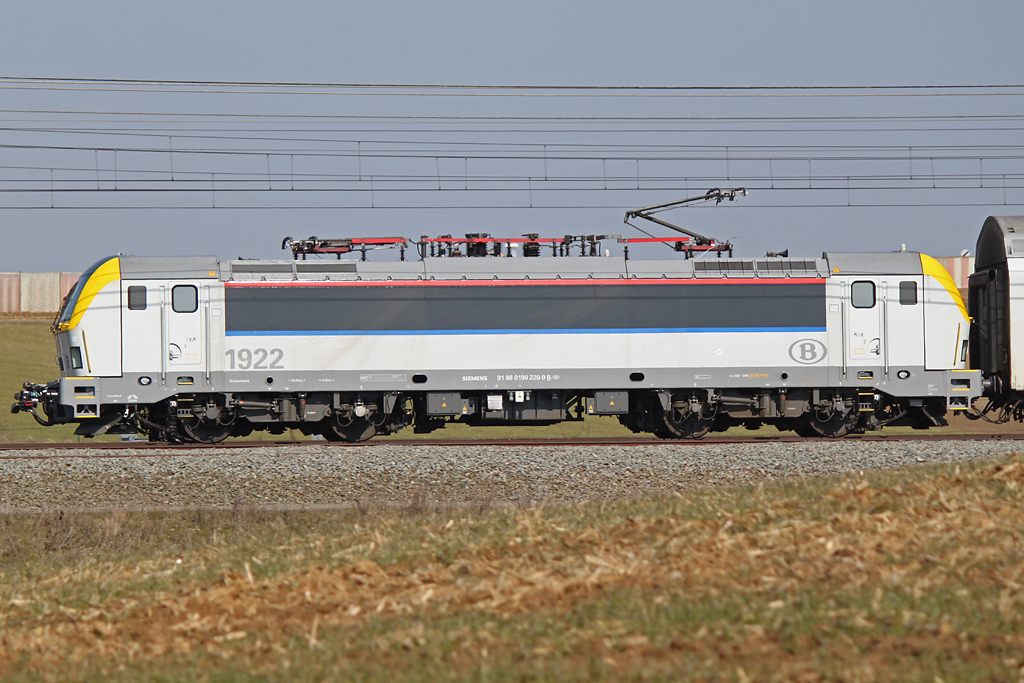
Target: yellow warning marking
109	272
611	403
443	404
213	274
836	269
933	268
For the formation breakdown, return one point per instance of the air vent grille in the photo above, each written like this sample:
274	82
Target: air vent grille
787	265
757	267
724	266
326	267
261	268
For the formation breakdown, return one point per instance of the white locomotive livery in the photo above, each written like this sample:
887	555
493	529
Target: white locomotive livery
193	349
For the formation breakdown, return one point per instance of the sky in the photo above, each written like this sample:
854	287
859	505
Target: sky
101	166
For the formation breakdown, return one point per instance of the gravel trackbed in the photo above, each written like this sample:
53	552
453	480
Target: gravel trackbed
300	477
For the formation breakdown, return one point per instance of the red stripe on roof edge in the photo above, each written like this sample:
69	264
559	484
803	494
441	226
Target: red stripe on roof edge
508	283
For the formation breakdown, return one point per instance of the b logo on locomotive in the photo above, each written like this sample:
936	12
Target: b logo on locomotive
807	351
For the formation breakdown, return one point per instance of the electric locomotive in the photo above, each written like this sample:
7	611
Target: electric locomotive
490	331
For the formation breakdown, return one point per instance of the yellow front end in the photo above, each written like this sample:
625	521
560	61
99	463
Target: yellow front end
88	328
946	323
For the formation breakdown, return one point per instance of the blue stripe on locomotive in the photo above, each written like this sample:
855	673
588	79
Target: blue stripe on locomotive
646	330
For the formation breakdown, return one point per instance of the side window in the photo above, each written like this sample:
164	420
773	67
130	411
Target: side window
908	293
862	294
185	299
136	298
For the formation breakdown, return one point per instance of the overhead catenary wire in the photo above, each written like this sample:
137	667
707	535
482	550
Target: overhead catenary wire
595	152
490	207
186	134
470	118
240	133
956	90
506	90
243	183
211	148
457	86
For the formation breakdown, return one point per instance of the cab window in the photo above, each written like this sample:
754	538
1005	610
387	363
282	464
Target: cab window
184	299
136	298
862	294
908	293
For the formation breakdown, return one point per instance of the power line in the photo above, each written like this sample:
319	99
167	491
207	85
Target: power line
462	119
495	90
585	148
490	207
518	94
395	140
197	181
537	187
246	134
304	84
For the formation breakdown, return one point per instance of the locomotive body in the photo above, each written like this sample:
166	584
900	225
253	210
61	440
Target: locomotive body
193	349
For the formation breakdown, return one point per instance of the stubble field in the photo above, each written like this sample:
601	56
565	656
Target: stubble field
909	575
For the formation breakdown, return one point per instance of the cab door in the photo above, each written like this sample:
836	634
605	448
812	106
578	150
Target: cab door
185	308
864	329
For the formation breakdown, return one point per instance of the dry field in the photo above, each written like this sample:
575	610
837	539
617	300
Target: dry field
914	575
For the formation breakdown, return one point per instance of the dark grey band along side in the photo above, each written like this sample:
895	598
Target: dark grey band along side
532	307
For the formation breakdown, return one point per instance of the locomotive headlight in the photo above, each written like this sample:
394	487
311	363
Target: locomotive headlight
903	374
145	381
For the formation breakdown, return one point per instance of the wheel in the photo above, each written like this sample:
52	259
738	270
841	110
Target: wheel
836	426
354	432
678	426
203	431
664	433
802	428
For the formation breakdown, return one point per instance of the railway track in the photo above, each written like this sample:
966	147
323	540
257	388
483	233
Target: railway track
111	449
309	474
